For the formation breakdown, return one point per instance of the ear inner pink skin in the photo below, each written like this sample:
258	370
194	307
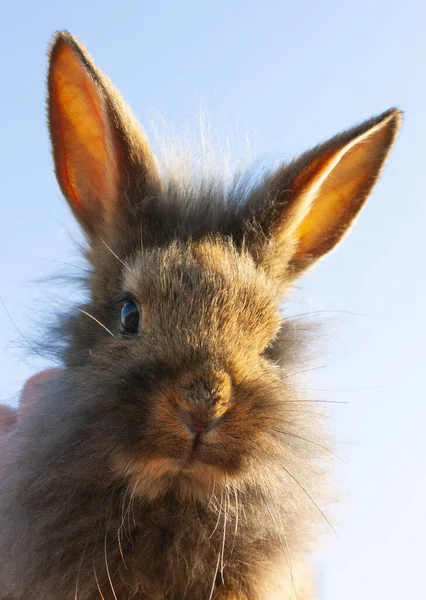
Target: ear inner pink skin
60	125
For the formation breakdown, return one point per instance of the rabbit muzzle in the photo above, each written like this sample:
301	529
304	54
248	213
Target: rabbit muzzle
203	398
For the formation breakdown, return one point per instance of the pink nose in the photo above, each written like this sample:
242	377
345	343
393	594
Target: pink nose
194	424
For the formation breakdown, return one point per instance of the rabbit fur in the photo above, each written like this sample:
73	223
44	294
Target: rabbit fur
179	461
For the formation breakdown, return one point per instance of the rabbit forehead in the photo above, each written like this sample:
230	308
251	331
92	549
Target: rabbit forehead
199	267
202	280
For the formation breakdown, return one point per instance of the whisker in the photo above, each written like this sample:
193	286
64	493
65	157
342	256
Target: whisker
344	312
236	511
304	371
359	389
120	548
225	519
61	262
33	348
97	581
214	577
285	547
218	556
106	560
235	490
96	320
218	518
213	491
79	571
299	437
312	500
313	331
133	498
141	230
115	255
125	514
316	401
306	412
242	565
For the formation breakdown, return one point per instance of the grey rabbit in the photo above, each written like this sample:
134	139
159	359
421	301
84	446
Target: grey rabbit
174	456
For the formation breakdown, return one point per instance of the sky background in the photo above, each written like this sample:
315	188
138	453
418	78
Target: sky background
287	75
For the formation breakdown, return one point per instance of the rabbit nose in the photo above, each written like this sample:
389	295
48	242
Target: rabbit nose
207	391
212	398
194	424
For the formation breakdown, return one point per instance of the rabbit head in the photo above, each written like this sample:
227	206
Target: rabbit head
182	344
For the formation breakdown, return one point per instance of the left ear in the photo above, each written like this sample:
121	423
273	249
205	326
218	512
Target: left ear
304	210
103	161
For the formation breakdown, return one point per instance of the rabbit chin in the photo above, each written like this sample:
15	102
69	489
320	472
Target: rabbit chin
152	478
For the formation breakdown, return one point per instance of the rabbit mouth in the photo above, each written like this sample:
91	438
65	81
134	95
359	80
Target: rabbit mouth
193	458
199	429
190	462
190	477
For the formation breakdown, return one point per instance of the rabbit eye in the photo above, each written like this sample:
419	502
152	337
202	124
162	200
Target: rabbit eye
130	318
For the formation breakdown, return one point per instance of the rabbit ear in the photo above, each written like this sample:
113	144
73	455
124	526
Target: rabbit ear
99	150
304	210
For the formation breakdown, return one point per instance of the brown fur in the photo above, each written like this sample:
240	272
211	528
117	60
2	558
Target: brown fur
107	492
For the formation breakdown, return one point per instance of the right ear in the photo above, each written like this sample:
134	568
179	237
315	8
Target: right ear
101	155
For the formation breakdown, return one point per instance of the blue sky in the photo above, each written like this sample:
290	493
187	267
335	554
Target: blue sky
288	74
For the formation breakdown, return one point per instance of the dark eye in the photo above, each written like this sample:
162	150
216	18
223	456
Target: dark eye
130	318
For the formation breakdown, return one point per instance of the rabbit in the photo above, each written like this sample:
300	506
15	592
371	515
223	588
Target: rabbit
173	456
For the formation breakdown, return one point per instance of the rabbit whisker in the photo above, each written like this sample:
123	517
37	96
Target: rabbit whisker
225	519
125	513
33	348
218	518
218	557
284	543
359	389
213	495
120	548
306	412
343	312
299	437
312	500
242	564
121	512
305	371
316	402
79	571
133	498
115	255
61	262
106	561
84	312
320	333
214	577
97	581
236	510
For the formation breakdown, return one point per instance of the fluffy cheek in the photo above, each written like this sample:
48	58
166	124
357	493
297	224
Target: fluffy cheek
155	447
